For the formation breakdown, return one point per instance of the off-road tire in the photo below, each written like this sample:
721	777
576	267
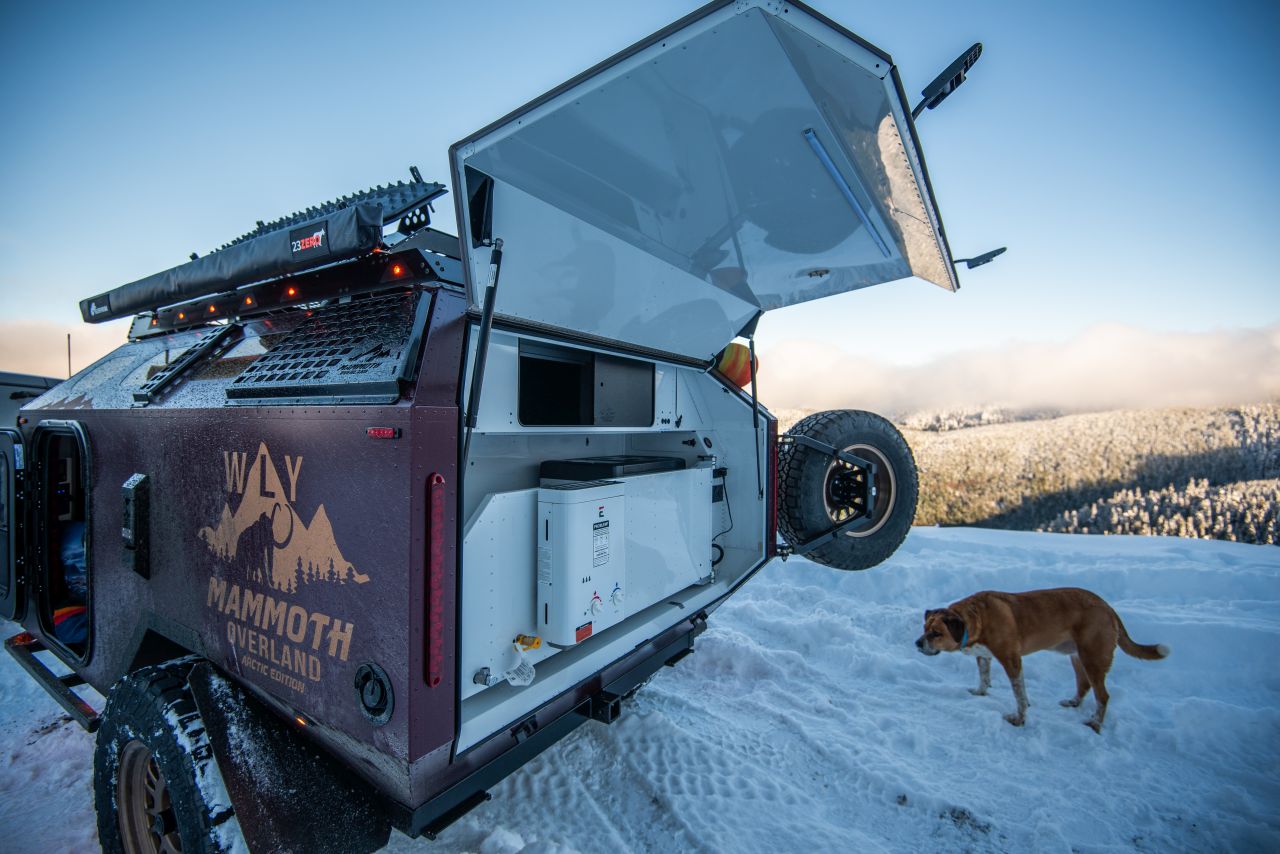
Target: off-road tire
151	714
803	475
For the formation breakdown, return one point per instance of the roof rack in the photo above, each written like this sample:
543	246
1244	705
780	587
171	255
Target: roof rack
340	230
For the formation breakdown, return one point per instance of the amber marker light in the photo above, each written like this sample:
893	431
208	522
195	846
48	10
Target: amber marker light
397	270
248	300
291	291
182	315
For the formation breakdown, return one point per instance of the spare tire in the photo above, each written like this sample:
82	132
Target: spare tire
813	488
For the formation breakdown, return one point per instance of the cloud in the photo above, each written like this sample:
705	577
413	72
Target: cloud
40	347
1105	367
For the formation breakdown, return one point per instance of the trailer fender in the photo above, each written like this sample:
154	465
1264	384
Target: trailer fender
287	794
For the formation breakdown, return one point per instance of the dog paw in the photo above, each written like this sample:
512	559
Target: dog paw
1070	704
1095	726
1016	720
978	692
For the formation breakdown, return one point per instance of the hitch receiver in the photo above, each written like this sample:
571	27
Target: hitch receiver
605	707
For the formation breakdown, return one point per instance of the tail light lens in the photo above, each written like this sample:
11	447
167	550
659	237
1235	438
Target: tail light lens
435	579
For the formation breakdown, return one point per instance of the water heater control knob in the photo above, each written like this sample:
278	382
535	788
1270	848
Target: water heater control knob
617	596
596	604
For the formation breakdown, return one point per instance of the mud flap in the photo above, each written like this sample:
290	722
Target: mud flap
288	796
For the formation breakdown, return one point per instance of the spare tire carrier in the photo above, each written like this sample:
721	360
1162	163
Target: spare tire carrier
850	487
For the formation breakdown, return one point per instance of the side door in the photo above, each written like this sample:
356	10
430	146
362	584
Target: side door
12	505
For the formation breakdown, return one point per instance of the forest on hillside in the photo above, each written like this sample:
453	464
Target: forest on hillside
1209	473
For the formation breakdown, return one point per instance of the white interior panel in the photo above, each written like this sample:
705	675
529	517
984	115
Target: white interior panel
756	158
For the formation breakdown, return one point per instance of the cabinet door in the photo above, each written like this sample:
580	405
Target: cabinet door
12	555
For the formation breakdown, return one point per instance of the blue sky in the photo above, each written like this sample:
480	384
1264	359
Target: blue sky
1123	151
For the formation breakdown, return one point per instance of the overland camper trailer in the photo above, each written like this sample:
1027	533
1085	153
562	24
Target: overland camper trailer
363	516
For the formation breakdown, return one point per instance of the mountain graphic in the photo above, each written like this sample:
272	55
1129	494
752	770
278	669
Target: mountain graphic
266	536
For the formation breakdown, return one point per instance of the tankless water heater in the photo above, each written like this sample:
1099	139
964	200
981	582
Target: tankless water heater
582	577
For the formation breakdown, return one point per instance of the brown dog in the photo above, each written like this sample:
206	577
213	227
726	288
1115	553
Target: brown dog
1007	626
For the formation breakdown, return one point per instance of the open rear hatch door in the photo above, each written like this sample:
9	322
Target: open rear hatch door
751	156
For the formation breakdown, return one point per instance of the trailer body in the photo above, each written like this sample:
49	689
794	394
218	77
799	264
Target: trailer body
431	502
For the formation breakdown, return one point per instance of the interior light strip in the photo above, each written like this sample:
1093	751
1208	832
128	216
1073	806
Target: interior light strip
845	190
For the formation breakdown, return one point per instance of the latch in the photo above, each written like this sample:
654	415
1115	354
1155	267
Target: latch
135	524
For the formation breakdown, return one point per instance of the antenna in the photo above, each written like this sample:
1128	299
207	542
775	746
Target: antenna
68	355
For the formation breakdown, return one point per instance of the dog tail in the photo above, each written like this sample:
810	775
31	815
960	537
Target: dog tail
1145	651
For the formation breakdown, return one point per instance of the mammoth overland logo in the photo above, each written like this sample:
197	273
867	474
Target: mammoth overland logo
264	533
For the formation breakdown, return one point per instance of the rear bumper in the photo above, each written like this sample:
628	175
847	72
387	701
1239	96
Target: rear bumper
534	735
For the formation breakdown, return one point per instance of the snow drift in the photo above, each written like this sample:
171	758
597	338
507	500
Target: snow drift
806	720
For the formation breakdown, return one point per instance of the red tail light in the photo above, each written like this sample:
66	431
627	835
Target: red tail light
435	580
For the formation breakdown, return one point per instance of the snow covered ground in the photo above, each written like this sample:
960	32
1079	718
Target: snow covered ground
807	721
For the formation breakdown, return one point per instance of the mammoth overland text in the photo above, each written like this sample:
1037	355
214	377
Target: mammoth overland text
259	624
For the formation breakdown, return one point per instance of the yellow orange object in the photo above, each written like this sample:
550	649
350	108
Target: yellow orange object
734	363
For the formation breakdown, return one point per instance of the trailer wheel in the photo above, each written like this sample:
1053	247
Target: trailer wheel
151	752
812	494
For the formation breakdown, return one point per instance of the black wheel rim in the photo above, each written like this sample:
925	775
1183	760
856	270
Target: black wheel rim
842	488
147	821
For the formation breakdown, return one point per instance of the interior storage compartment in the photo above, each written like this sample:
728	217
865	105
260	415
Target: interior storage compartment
543	608
566	387
62	533
570	560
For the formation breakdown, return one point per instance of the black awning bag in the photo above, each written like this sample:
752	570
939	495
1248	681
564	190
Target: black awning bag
347	233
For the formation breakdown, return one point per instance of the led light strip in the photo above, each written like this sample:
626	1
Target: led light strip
845	190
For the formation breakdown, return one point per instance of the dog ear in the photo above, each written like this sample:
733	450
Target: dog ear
929	613
955	625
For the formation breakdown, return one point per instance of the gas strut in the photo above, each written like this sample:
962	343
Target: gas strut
750	331
482	346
